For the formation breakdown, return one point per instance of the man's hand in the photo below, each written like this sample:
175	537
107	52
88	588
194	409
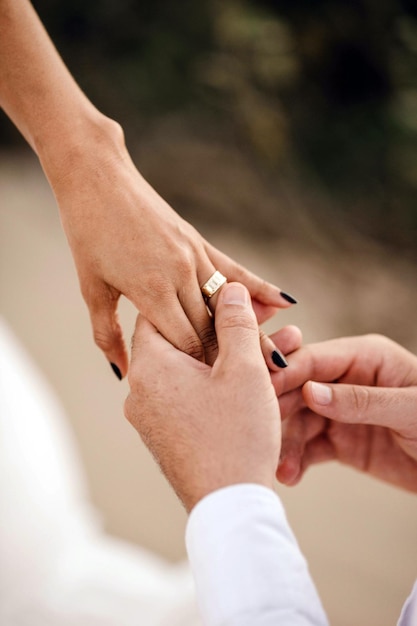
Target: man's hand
209	427
364	416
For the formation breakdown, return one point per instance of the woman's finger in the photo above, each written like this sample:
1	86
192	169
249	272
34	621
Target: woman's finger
102	304
259	289
276	347
273	356
174	324
263	312
195	308
288	339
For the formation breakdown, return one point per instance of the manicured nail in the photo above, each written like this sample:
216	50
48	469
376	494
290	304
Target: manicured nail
279	359
322	394
288	297
116	370
235	293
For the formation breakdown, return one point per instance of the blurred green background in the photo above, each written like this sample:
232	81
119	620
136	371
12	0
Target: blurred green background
319	97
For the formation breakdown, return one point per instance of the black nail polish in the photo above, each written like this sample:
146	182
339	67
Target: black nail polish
279	359
288	297
116	371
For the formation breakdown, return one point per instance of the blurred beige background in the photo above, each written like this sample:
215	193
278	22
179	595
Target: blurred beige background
359	536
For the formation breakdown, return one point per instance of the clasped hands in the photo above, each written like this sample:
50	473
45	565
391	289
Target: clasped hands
350	399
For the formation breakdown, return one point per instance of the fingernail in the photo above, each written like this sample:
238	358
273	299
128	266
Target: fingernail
322	394
116	370
279	359
288	297
235	294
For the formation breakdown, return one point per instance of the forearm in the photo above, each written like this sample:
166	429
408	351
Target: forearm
37	91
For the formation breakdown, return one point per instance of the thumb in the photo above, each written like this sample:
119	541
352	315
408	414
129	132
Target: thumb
391	407
236	325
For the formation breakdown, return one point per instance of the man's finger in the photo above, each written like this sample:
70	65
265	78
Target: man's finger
394	408
291	403
297	432
195	309
236	325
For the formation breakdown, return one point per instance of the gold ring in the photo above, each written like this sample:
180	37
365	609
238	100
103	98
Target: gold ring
213	284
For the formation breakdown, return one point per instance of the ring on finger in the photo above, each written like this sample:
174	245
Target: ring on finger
213	285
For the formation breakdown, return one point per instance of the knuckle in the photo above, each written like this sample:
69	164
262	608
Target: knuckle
240	320
260	288
99	295
157	286
208	338
108	335
381	342
185	263
103	339
182	251
377	338
361	400
239	272
193	347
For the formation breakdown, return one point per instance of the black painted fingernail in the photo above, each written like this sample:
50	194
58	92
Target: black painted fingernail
116	371
279	359
288	297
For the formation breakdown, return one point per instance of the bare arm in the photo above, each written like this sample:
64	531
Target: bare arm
36	90
125	239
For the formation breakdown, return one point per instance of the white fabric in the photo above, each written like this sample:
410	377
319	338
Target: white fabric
248	568
57	567
408	615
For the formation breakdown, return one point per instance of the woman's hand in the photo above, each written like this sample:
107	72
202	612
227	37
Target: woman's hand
124	238
364	416
127	240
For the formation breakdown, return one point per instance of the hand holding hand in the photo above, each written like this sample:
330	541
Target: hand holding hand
209	427
364	416
124	238
127	240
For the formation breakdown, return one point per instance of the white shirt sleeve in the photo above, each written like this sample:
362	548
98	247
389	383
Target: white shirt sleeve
247	565
408	615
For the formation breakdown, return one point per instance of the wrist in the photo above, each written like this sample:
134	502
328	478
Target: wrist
81	143
196	493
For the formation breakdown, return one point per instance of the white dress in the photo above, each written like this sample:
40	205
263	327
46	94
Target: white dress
57	566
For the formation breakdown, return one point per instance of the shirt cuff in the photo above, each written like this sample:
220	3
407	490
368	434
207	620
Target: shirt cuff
246	562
